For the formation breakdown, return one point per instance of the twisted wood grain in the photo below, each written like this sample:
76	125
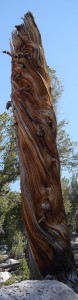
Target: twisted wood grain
42	204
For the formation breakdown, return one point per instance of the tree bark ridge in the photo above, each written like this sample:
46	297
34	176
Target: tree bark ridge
42	203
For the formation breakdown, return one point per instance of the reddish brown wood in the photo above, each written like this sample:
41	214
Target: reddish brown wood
43	210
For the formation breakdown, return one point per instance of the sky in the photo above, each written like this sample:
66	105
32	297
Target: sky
57	21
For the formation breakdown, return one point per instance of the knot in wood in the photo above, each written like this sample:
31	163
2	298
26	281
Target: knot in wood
17	73
46	206
40	131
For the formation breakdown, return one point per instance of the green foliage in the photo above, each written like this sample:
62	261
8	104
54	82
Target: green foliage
3	208
13	279
23	270
22	273
74	193
70	196
9	167
1	258
56	87
11	225
18	244
66	149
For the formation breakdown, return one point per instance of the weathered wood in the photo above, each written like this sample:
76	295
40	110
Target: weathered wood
42	203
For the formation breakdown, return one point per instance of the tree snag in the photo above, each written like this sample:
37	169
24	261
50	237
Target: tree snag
42	203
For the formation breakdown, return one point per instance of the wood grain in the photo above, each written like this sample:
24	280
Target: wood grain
42	203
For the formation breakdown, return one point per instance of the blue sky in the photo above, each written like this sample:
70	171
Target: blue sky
58	23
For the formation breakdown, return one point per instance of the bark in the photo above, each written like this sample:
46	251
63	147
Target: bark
42	203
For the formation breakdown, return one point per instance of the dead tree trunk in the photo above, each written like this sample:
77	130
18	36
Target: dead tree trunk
42	204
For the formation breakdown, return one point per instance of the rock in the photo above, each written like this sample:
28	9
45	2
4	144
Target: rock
4	276
2	252
12	261
10	266
3	248
36	290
